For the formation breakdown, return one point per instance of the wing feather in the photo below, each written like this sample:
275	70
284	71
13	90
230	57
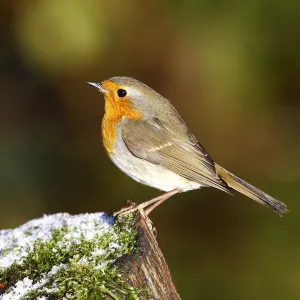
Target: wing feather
180	152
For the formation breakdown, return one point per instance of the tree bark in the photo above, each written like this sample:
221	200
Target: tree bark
148	269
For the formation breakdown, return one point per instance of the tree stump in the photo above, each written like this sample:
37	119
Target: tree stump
87	256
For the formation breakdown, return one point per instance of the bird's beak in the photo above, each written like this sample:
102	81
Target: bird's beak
98	86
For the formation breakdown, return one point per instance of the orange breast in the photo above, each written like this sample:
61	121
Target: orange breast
115	110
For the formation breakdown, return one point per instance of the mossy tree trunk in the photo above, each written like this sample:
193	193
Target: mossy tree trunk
87	257
147	269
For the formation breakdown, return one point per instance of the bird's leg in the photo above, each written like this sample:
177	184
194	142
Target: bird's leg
150	205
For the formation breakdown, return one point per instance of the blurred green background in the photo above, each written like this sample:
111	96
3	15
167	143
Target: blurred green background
231	68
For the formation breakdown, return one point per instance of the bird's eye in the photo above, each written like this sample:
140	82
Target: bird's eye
121	93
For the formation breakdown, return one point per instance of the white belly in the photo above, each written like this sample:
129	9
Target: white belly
147	173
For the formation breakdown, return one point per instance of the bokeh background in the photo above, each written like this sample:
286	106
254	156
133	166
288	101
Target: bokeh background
231	68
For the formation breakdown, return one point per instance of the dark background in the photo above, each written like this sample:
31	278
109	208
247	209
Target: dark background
231	68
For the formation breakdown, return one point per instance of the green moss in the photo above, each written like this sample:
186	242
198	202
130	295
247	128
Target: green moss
79	273
27	232
85	282
40	260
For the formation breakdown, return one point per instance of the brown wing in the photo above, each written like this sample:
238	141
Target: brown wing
179	152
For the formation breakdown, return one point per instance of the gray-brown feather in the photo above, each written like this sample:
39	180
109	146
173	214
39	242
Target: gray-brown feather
173	147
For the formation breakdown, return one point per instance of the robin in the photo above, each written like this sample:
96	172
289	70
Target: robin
147	139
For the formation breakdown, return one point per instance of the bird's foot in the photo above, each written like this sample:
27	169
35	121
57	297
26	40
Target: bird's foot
128	208
148	206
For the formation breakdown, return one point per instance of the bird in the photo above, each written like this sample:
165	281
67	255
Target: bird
147	139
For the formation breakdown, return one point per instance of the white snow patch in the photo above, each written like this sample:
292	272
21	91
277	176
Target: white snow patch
17	243
83	261
20	289
99	252
114	246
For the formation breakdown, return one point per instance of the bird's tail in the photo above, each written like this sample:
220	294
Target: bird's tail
252	192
